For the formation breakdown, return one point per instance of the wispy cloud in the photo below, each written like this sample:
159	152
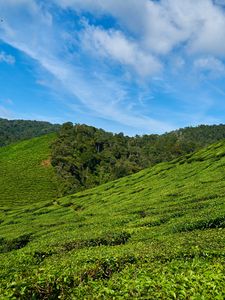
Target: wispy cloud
211	65
7	101
7	58
112	44
160	26
148	39
5	113
97	93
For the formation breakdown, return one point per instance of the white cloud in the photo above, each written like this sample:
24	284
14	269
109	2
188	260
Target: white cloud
26	23
7	58
210	64
161	26
147	32
29	28
113	44
195	26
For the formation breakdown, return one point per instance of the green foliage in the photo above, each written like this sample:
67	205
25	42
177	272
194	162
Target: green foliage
12	131
17	243
84	156
108	240
156	234
26	173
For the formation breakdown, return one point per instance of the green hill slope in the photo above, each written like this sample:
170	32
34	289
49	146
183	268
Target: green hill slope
12	131
25	173
85	157
158	234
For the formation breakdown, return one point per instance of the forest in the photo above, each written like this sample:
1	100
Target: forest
84	156
12	131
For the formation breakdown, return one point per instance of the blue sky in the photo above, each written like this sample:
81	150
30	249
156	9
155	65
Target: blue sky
136	66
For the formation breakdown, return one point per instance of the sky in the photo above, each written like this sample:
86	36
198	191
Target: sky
134	66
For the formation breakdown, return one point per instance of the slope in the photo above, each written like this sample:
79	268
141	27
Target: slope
26	174
12	131
84	156
157	234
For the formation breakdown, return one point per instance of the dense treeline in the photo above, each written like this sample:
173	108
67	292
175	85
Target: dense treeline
84	156
15	130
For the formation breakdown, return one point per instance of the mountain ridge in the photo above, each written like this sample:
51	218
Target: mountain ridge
12	131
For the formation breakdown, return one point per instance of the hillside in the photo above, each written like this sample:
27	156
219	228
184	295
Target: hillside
84	156
26	173
12	131
157	234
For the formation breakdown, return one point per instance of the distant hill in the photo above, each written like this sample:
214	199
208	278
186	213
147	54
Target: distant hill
157	234
12	131
84	156
26	174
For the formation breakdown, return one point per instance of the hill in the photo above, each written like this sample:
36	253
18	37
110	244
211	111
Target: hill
26	173
12	131
157	234
84	156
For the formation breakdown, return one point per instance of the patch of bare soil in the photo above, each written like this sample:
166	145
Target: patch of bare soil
46	163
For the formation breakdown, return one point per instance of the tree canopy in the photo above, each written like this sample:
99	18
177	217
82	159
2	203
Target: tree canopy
12	131
85	156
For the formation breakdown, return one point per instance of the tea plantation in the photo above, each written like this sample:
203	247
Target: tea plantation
26	175
157	234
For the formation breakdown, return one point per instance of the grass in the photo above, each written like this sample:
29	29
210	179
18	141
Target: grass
26	175
158	234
